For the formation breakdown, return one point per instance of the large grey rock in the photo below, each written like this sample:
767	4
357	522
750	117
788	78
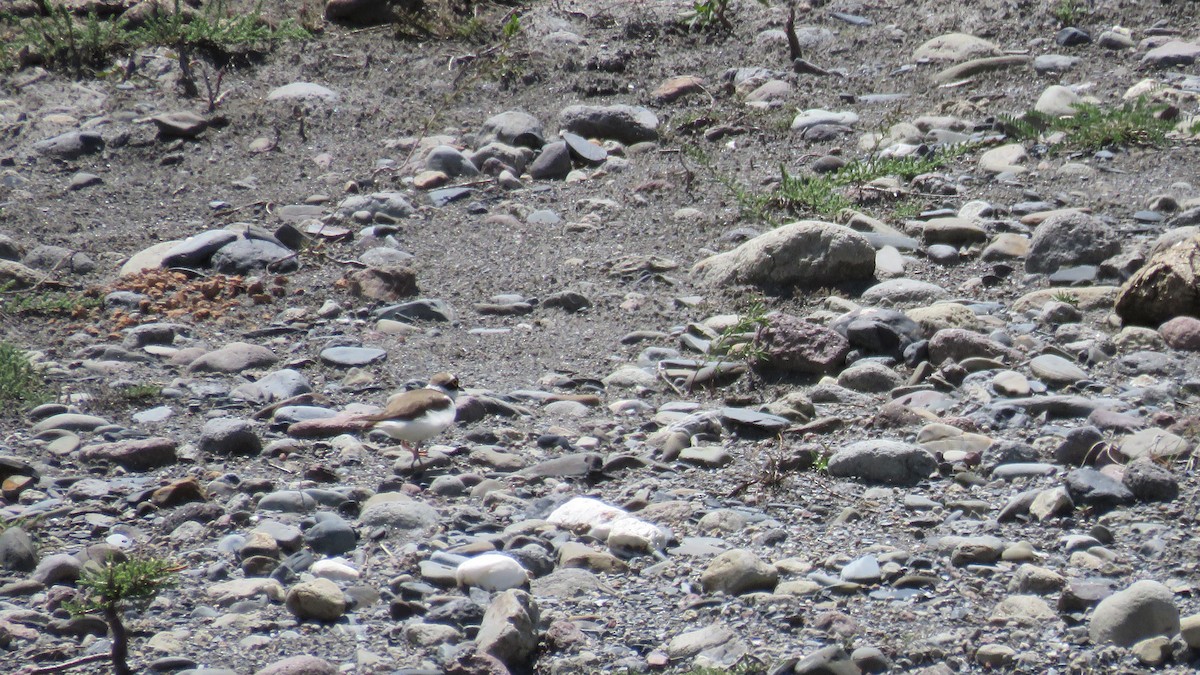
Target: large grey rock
135	454
738	571
957	344
691	643
1167	286
955	47
16	276
624	123
1056	371
1145	609
300	665
253	256
511	127
18	553
275	386
450	161
71	145
554	162
319	599
233	358
195	251
392	205
903	292
808	253
1173	53
1068	240
509	628
229	436
398	511
1097	489
882	461
878	331
794	345
1147	480
1081	444
60	567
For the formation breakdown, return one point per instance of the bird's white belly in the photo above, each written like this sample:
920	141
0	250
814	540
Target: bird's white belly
420	429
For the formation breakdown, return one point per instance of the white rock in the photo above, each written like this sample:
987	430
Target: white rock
1006	158
815	116
1057	101
635	535
954	48
584	514
334	569
491	572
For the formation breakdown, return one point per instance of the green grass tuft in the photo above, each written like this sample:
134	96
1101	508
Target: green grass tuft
85	45
21	386
45	302
1094	128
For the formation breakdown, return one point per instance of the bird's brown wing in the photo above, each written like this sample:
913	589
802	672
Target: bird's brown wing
410	405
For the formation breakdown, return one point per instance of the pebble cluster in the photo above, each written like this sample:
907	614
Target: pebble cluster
951	441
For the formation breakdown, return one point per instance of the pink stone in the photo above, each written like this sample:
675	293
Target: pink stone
1182	332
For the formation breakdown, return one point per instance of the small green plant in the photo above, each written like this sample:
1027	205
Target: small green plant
136	393
1092	128
472	29
42	301
821	462
752	206
907	209
820	193
1068	12
28	523
85	44
512	27
1066	297
816	194
217	28
112	588
738	340
706	14
21	386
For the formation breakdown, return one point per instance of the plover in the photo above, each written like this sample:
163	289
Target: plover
413	417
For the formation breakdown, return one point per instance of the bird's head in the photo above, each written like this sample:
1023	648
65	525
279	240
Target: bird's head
446	383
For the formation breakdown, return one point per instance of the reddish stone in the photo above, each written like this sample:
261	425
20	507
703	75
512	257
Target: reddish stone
1182	332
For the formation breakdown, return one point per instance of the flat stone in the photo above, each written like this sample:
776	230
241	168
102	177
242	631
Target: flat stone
953	230
954	47
1056	371
134	455
691	643
814	117
864	570
1154	443
882	461
977	66
69	422
352	356
1173	53
1025	610
233	358
302	91
1004	159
